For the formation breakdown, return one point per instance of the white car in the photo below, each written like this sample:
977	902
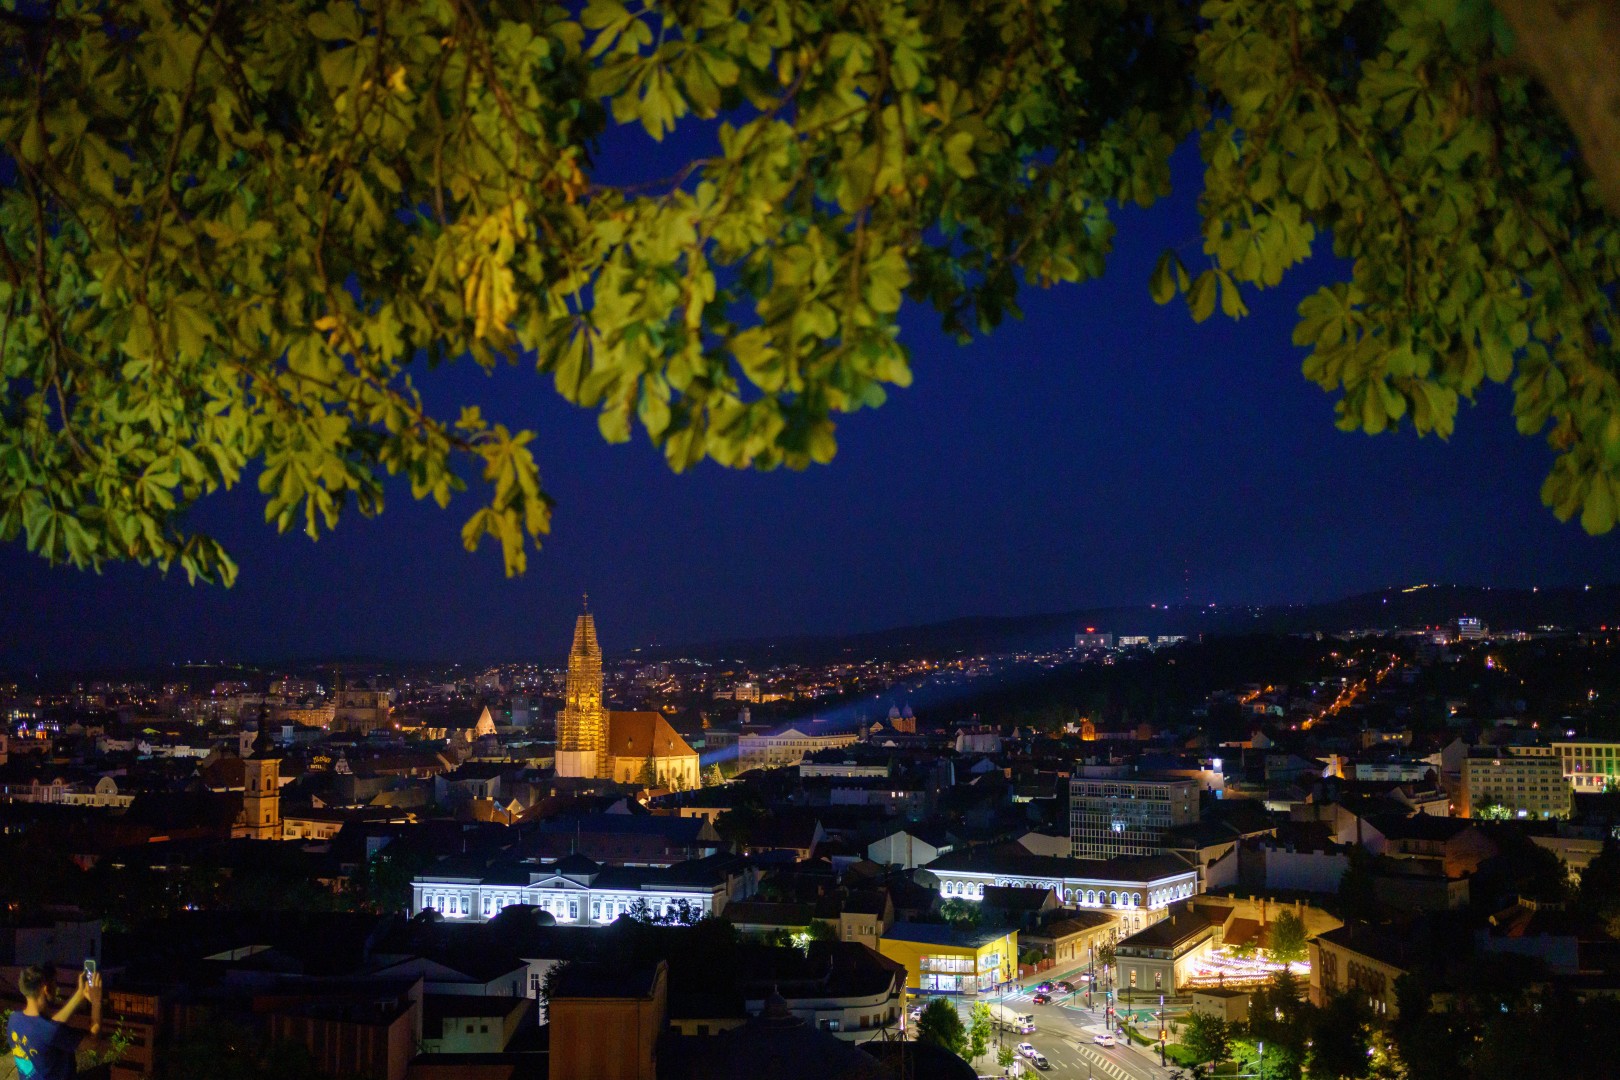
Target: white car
1104	1040
1027	1050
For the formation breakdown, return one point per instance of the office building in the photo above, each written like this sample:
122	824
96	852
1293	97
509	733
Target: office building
1515	782
1111	816
1589	766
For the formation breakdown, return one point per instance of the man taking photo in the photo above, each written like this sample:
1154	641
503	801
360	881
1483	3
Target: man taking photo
43	1046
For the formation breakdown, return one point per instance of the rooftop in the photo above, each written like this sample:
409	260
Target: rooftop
1015	859
604	981
1171	933
944	934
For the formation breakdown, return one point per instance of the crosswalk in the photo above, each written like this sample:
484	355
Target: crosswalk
1102	1065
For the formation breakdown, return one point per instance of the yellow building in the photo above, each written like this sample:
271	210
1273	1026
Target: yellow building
618	746
941	958
261	791
1515	781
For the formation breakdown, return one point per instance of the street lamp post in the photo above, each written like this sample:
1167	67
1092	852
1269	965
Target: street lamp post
1260	1062
1161	1031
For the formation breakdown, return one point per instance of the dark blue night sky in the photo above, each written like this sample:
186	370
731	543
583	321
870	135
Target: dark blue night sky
1098	452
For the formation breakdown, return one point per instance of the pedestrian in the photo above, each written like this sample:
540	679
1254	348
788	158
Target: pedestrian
43	1046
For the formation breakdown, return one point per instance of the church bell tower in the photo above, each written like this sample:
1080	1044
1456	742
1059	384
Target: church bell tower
582	748
261	788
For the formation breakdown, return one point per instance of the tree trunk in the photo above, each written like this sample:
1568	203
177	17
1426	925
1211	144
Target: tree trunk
1573	47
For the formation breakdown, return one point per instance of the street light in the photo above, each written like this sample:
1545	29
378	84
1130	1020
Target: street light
1161	1031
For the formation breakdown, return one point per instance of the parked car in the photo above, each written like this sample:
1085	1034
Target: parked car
1104	1040
1027	1050
1043	999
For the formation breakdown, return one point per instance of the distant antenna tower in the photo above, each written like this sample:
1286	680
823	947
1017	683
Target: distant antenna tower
1186	581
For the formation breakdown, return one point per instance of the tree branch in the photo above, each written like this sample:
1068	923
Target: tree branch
1572	48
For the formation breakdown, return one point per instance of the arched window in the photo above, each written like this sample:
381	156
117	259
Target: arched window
1113	898
950	888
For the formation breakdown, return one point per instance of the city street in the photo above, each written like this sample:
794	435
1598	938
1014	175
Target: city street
1063	1032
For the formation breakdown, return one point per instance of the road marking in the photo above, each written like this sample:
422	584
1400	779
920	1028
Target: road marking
1108	1066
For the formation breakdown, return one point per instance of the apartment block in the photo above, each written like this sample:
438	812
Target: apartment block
1110	816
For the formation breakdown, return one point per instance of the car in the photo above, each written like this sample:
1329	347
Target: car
1044	988
1043	999
1065	987
1040	1061
1027	1050
1104	1039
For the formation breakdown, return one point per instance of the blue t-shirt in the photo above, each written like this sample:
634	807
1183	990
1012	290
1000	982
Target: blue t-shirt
41	1048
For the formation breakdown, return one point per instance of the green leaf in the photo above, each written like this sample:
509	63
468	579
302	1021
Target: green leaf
886	279
1232	305
1597	513
959	154
1162	285
1201	297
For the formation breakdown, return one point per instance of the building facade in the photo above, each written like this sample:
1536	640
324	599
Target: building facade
1363	961
1160	958
1110	816
1515	782
941	959
1137	891
578	892
1589	766
789	745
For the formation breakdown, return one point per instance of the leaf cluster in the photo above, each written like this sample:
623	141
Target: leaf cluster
237	233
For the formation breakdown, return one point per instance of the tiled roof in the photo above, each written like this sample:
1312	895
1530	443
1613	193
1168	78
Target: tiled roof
636	734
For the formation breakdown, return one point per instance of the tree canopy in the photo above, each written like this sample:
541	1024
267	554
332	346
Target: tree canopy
1208	1038
942	1025
234	235
1287	940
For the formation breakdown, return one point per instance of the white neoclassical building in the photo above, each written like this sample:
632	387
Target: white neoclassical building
1137	890
578	892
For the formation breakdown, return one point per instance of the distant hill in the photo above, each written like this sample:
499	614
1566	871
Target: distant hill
1386	609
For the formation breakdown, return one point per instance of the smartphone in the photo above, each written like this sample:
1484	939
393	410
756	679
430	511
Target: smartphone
90	971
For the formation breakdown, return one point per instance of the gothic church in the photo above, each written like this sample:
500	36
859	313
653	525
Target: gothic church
616	746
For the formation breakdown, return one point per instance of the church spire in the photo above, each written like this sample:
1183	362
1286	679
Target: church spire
585	643
582	748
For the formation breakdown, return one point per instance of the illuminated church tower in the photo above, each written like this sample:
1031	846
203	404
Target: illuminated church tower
582	748
261	788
